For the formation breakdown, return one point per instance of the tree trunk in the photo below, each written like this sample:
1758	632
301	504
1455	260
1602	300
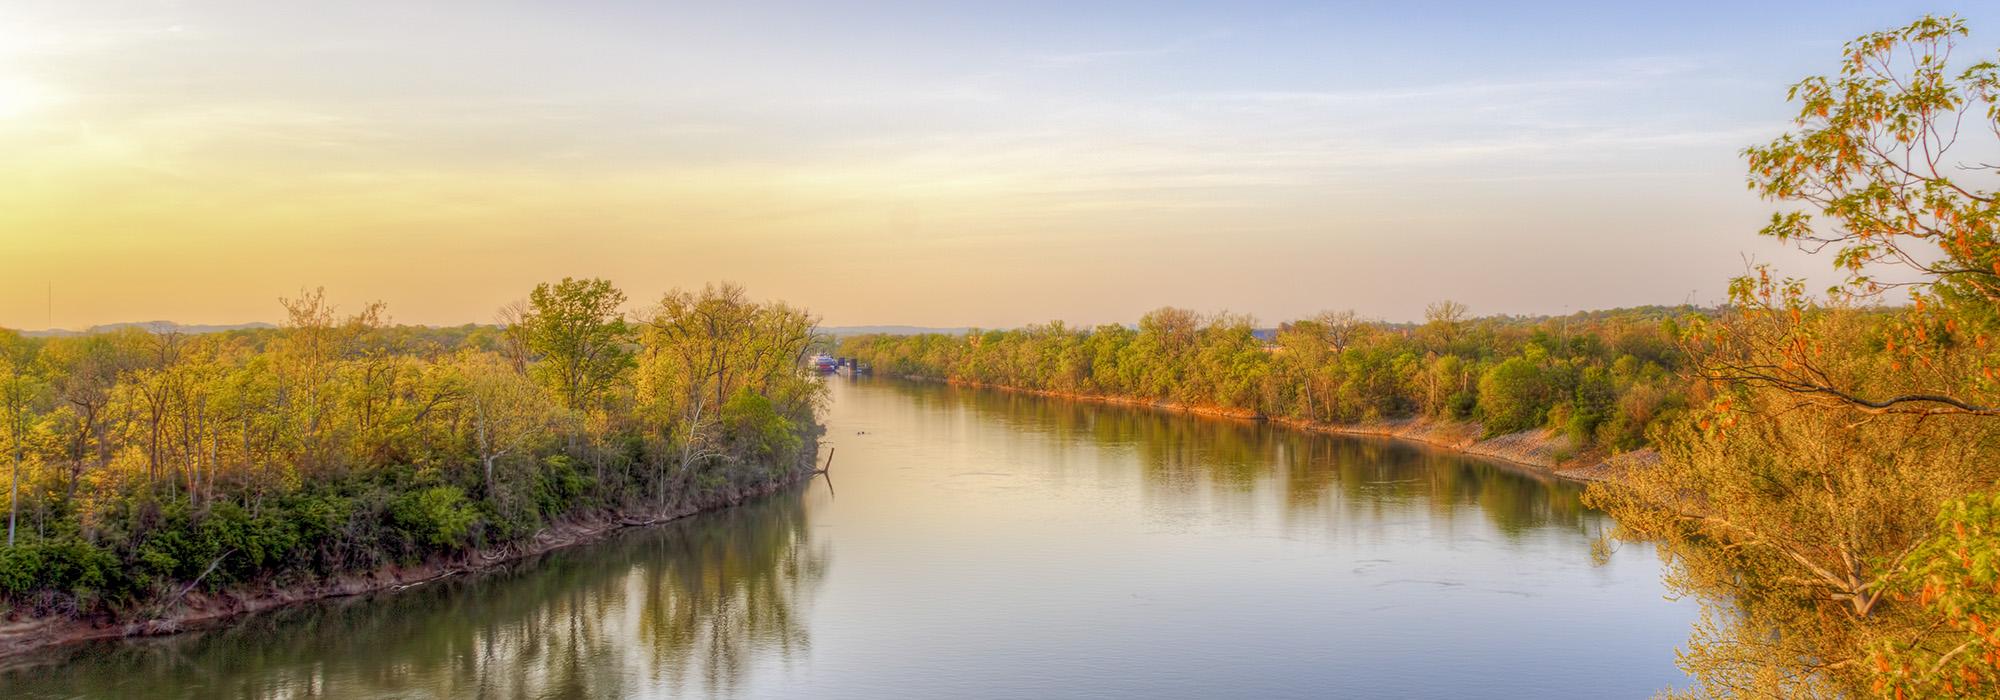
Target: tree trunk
485	447
14	496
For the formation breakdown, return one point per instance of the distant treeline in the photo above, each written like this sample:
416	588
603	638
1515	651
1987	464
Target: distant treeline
144	462
1600	377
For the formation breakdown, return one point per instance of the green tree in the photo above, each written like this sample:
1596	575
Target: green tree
86	372
20	392
146	461
1513	396
578	335
507	413
701	349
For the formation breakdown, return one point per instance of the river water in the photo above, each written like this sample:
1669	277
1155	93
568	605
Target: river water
973	543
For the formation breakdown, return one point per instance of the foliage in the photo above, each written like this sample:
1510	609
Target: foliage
1608	373
704	352
753	426
577	335
1802	502
1513	396
1877	153
151	461
1791	522
439	516
1954	576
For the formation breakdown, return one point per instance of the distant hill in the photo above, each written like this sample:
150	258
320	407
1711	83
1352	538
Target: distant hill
844	331
155	326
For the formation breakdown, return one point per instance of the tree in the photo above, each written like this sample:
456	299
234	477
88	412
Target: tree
1445	322
507	412
1513	396
19	391
1793	523
755	430
1342	328
86	371
1876	154
514	342
1441	379
1952	576
1797	502
701	349
313	344
578	334
1167	336
338	443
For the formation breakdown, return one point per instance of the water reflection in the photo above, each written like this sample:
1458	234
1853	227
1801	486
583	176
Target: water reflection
1005	545
1365	477
675	609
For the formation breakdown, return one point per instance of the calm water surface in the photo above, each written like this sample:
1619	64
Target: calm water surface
981	544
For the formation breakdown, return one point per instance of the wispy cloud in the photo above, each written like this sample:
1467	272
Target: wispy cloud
678	135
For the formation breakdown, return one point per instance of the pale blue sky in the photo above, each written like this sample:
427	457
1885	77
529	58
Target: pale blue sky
928	163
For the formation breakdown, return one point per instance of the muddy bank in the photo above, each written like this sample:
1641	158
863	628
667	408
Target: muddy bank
197	610
1540	450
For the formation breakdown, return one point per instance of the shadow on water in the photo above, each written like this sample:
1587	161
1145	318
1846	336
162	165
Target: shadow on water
1372	475
679	608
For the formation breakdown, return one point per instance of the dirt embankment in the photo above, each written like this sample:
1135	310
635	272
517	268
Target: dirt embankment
1540	450
198	610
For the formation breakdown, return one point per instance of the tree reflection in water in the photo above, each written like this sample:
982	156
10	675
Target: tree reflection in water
680	608
714	605
1368	477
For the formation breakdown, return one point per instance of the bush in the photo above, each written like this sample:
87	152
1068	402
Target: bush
1462	405
439	516
66	563
559	486
756	433
1638	409
1582	428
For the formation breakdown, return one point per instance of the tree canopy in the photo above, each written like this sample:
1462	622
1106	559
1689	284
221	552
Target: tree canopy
145	462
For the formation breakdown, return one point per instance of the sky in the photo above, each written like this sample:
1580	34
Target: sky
927	163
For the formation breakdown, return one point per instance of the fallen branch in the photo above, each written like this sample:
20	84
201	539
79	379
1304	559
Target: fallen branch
176	600
414	584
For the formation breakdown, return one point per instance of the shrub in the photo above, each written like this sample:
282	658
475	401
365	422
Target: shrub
65	563
756	432
439	516
559	485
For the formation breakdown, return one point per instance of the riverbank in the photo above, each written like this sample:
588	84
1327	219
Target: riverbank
203	610
1540	450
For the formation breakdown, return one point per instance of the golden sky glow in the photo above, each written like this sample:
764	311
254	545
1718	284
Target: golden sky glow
939	166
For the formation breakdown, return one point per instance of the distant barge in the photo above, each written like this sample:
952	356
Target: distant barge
828	364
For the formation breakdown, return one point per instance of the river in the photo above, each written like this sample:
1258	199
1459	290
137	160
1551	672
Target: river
973	543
